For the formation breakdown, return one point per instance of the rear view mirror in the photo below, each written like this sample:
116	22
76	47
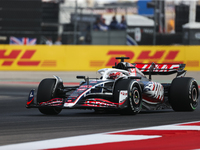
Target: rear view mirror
80	77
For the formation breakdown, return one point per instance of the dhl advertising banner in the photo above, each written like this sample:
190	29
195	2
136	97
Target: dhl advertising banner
92	58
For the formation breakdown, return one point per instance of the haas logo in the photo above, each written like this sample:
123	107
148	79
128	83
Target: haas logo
154	90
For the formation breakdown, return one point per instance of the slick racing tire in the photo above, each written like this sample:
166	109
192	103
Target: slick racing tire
133	102
45	93
184	94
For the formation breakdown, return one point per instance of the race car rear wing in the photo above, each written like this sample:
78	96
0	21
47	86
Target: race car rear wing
161	69
152	68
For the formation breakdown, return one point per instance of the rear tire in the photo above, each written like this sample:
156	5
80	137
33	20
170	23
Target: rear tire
184	94
45	93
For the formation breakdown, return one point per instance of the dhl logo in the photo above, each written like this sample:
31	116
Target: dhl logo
161	56
22	58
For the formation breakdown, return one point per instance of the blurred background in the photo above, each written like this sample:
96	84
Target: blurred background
100	22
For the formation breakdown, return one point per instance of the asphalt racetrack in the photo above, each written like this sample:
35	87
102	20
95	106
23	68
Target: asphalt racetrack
18	124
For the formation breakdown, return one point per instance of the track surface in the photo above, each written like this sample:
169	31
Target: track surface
18	124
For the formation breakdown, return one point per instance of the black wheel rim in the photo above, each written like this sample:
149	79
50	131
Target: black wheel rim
194	99
136	97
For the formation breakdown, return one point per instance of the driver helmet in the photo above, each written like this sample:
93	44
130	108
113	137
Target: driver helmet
115	75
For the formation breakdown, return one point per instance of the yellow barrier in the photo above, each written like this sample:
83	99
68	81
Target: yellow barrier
92	58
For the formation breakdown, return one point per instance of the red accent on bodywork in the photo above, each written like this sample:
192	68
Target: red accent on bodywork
30	101
97	102
52	102
153	87
153	100
158	67
122	102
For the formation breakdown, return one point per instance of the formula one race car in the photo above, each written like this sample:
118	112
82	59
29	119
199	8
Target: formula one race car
124	88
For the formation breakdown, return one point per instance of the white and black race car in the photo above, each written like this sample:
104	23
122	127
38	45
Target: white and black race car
124	88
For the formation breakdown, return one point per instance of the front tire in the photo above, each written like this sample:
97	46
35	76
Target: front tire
133	102
184	94
45	93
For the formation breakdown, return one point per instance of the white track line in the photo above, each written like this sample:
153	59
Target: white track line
94	138
75	141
